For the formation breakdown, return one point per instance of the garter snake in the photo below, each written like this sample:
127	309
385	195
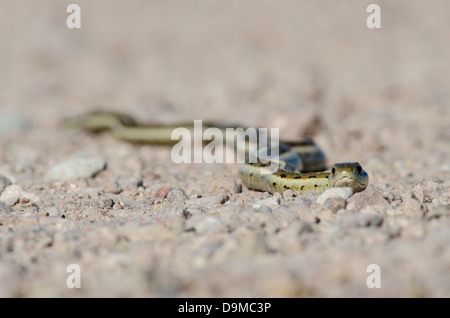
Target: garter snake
304	156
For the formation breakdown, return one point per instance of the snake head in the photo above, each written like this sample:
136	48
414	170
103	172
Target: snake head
349	174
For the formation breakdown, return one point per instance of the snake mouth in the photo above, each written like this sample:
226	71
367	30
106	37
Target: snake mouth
348	182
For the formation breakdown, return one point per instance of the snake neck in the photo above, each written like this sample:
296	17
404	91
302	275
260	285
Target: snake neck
314	182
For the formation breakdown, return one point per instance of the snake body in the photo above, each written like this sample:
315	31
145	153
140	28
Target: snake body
304	156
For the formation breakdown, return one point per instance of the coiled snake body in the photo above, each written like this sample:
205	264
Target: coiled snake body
304	156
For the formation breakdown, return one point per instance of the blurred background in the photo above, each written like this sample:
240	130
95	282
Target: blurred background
306	67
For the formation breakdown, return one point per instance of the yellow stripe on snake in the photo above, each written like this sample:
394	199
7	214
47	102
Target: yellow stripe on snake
304	156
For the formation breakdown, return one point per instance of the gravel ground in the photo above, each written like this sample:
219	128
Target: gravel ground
137	224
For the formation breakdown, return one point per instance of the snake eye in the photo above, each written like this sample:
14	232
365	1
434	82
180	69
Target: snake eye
359	169
333	171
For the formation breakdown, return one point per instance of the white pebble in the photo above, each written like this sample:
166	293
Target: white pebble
76	168
271	202
344	192
203	223
14	193
11	194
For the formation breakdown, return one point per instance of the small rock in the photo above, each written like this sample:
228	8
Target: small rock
176	223
436	192
411	205
288	195
438	211
5	208
130	183
14	193
266	205
370	196
178	208
417	193
29	197
79	183
112	187
335	204
430	190
271	202
52	211
177	194
343	193
106	204
203	223
392	196
4	182
162	192
76	168
262	208
91	212
220	185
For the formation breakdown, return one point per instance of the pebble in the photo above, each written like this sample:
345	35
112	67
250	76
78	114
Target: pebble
203	223
14	194
176	194
411	205
431	191
370	196
76	168
5	208
220	185
112	187
438	211
271	202
343	193
4	182
161	192
130	183
417	193
288	195
176	223
262	208
335	204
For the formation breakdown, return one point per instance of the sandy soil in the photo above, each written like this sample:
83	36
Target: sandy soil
140	225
